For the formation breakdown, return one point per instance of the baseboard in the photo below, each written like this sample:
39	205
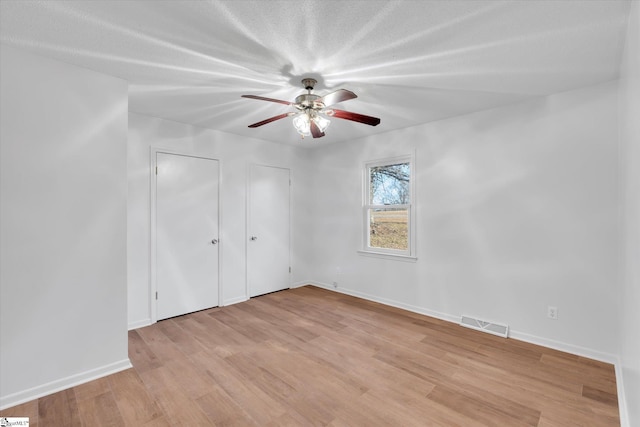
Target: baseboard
62	384
567	348
300	284
139	324
622	401
385	301
234	301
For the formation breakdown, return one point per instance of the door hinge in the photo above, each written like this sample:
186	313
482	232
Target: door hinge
156	170
156	295
289	269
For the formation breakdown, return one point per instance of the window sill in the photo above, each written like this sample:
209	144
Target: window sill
395	257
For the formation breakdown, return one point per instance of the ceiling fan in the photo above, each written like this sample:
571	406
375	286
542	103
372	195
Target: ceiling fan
310	118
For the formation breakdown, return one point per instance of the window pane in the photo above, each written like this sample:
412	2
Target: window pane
390	184
388	228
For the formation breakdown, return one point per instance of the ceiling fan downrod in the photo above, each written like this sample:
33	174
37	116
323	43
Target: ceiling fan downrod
307	100
309	83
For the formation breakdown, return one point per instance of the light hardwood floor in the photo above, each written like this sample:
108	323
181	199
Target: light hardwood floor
308	356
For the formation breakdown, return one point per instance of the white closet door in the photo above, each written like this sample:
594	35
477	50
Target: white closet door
268	246
186	234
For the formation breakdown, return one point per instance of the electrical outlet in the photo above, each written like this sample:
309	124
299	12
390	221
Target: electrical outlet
335	284
552	312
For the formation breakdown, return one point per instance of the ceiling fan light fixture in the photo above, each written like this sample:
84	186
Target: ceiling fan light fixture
323	123
302	122
302	125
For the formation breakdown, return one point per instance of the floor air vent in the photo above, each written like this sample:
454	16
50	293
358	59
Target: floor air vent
488	327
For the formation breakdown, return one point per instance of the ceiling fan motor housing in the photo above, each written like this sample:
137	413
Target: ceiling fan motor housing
308	101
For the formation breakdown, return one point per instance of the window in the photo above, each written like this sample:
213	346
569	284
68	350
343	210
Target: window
388	207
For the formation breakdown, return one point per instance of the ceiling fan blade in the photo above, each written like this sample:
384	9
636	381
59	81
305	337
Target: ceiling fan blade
315	130
271	119
347	115
262	98
337	96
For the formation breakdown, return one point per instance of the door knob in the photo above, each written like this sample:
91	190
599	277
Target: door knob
214	241
254	238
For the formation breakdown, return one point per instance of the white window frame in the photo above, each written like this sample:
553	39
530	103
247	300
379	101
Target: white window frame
405	255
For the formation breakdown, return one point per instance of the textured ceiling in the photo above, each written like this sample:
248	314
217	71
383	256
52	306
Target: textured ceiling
409	62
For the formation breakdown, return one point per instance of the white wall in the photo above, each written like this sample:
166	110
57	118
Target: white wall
517	209
63	226
235	154
630	159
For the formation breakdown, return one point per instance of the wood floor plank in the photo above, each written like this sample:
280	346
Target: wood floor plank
287	420
188	378
479	409
284	320
133	399
600	395
92	389
100	410
422	366
249	326
161	345
59	409
541	396
308	356
140	354
377	408
307	310
530	389
484	406
180	337
222	410
177	406
288	376
596	375
261	407
211	333
158	422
